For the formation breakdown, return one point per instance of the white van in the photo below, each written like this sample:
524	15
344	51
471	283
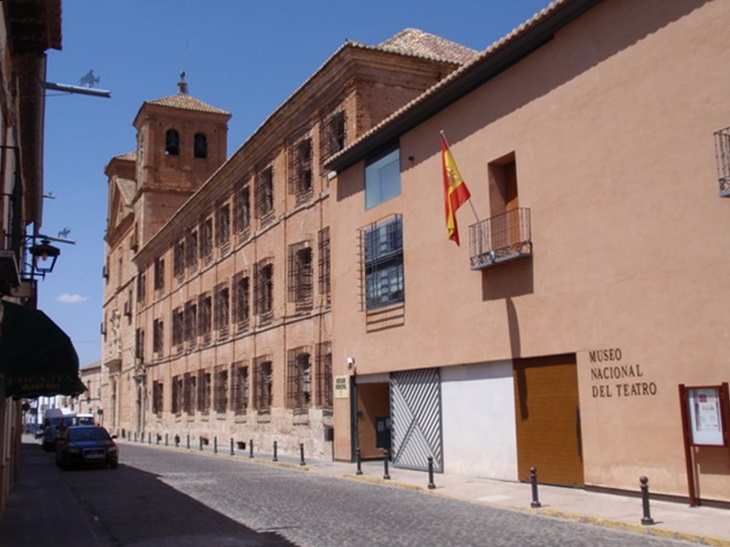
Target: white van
53	420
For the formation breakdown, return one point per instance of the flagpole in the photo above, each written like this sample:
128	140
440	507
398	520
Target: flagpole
471	204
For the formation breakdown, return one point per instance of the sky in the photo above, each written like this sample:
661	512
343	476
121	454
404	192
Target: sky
238	55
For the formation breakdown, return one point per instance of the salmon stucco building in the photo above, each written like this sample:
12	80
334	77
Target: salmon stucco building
580	326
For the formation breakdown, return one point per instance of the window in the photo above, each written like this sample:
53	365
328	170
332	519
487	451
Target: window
263	278
139	344
323	248
200	146
157	397
263	388
382	177
265	193
203	391
191	256
190	318
221	390
241	299
240	388
177	328
332	135
178	260
300	275
324	374
382	252
223	228
177	394
299	378
160	274
189	392
242	210
222	303
141	288
206	239
300	169
172	143
158	331
205	316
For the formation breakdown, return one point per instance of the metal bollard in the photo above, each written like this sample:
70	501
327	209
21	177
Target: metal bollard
301	454
250	447
533	480
215	445
646	519
431	484
357	460
232	451
177	441
200	442
165	439
386	475
188	442
149	438
157	440
275	459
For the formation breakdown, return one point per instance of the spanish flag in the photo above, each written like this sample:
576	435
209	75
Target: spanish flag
455	191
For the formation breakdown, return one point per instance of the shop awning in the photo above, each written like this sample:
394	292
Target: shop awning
36	356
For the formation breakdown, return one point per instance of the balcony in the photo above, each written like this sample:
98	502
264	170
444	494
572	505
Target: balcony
722	155
502	238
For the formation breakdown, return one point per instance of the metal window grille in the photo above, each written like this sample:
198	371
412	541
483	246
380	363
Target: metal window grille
263	383
242	211
157	336
722	155
223	228
177	394
189	387
263	278
191	254
220	401
139	344
300	275
332	135
141	288
240	388
203	391
204	316
299	378
159	274
178	260
177	328
300	169
265	193
191	324
157	397
381	258
323	252
206	240
323	374
241	298
222	306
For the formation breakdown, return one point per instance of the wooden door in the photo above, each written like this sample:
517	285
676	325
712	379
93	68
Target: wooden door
373	402
548	420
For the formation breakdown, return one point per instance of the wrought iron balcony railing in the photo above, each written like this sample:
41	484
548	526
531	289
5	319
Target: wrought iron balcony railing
501	238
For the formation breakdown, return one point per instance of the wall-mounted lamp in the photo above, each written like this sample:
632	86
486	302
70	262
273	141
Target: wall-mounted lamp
44	257
350	363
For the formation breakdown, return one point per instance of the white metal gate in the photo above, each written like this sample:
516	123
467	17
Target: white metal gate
415	398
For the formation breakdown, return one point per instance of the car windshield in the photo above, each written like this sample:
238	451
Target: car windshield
90	434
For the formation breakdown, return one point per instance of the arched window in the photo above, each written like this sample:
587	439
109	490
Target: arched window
201	146
172	142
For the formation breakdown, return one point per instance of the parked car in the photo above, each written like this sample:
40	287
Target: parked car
86	445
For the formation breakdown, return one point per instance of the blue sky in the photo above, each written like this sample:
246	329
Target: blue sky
242	56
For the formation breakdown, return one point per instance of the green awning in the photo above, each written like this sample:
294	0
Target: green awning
36	356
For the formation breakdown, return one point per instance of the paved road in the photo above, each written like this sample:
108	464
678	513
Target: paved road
165	497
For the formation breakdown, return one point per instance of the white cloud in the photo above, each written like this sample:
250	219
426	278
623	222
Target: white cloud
71	298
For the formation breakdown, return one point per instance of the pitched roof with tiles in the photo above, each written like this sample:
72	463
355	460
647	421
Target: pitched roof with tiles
127	189
183	101
129	156
416	42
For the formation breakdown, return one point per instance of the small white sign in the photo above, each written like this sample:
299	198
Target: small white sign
342	387
705	416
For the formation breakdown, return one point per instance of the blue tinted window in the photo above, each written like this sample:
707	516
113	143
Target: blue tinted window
382	178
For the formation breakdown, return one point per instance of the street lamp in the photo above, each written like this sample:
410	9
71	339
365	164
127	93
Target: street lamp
44	257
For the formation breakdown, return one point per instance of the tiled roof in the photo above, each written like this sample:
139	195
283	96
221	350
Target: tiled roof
127	189
129	156
416	42
183	101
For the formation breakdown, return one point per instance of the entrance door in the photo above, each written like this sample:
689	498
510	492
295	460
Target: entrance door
373	408
548	420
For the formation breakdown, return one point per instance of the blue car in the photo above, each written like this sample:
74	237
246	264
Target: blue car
86	445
